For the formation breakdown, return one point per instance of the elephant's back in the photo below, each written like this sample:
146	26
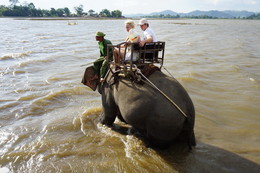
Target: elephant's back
172	95
159	90
170	87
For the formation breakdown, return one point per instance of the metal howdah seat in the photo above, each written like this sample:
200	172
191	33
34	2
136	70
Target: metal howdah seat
150	53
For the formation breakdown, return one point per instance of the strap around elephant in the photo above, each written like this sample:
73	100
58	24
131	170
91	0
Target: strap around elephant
167	97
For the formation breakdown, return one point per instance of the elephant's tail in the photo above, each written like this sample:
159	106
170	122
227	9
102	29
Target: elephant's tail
192	140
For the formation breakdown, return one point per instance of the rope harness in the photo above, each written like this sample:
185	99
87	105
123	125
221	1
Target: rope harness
137	75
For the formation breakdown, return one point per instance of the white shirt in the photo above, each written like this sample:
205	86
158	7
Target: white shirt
149	33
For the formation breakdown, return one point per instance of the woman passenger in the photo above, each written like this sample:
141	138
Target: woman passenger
133	37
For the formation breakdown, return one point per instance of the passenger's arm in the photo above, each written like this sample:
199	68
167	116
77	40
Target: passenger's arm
148	40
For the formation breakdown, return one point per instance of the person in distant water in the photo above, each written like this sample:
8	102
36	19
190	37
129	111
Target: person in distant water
101	64
149	35
133	37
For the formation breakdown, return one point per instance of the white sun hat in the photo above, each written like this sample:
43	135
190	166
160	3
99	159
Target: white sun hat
143	21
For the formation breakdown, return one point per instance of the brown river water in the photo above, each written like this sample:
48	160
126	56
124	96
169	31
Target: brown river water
49	120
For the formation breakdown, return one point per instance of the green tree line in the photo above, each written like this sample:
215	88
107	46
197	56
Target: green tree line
162	16
29	10
254	16
178	16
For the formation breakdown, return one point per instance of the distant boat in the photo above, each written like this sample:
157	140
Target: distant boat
72	23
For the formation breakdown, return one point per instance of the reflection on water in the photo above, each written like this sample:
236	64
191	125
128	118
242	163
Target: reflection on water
49	120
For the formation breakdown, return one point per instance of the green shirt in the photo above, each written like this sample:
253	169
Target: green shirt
103	48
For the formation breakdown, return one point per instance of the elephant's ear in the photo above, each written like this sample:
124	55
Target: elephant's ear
90	78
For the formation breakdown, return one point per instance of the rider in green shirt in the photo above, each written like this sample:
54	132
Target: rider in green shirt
101	64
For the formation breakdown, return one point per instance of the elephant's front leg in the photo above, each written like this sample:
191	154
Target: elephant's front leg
107	120
109	113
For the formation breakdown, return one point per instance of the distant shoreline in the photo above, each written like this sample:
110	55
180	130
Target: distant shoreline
88	18
61	18
109	18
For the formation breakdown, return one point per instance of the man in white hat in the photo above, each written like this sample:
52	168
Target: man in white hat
149	35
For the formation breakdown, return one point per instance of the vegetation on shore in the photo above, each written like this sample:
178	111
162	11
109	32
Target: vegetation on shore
29	10
254	16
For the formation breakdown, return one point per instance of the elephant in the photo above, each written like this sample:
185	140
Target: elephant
149	111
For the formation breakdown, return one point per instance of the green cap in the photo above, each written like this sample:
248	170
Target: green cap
100	34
